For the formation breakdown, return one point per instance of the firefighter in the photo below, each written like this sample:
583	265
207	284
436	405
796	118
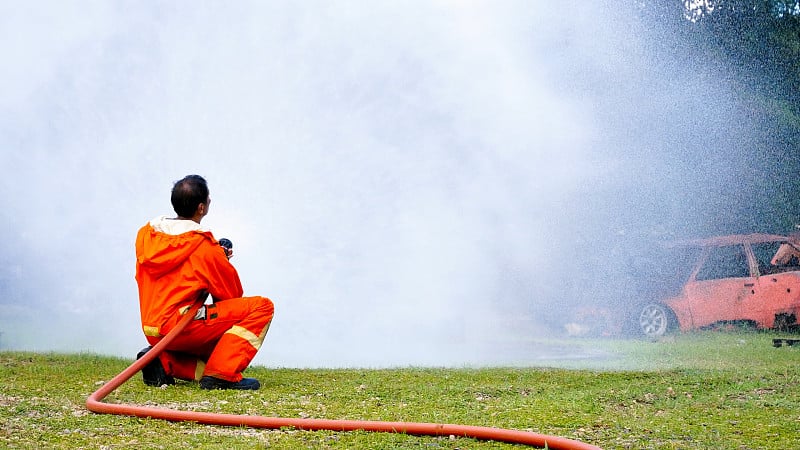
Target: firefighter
178	262
788	254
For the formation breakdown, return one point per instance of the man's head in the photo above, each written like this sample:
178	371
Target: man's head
190	198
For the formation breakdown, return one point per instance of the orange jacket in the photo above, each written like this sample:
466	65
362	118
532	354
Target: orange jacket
175	260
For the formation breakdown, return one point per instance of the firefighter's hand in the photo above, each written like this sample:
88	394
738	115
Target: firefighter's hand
227	245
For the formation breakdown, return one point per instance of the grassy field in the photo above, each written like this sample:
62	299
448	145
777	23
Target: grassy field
713	390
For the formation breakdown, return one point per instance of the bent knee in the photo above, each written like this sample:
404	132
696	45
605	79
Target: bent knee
265	304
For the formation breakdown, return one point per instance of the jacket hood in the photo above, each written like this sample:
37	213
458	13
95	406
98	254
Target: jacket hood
164	244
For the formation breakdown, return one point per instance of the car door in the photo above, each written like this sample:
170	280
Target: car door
721	285
777	287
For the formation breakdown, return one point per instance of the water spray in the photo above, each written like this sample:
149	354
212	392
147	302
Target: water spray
95	404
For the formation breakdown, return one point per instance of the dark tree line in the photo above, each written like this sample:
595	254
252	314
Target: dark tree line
757	42
759	38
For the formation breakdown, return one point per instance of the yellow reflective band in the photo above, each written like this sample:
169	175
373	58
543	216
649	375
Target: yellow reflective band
264	331
185	309
151	331
199	369
248	336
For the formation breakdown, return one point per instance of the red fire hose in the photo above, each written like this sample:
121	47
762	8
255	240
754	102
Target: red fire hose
94	403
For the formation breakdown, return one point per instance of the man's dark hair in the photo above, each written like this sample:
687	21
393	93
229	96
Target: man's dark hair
187	194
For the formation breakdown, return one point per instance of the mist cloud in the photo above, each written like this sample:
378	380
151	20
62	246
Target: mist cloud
401	179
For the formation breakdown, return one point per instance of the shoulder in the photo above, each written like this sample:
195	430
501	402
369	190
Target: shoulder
209	246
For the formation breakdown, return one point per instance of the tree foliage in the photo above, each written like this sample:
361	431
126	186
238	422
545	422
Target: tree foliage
759	40
758	37
755	46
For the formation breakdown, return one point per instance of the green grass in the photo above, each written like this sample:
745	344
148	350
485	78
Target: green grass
709	390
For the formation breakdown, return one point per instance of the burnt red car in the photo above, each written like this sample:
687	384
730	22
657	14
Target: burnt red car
751	280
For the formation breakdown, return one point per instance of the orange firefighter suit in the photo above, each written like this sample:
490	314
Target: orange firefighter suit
177	262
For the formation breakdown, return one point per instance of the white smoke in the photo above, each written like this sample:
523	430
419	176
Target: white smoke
400	178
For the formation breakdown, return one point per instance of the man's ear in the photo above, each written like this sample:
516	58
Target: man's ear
202	209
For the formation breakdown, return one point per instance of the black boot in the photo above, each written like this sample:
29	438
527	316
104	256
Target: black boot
216	383
154	373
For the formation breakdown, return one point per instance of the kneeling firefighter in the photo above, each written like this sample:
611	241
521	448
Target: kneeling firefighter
178	263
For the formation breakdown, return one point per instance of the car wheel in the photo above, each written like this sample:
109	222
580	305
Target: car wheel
785	322
654	320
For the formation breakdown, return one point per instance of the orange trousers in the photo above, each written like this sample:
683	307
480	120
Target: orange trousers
223	344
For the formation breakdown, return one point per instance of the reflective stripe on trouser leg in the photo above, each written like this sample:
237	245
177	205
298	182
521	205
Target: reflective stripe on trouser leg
199	369
251	338
240	342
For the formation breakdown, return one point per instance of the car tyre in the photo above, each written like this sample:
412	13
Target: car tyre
655	320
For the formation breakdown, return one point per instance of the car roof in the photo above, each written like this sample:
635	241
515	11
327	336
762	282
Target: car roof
731	239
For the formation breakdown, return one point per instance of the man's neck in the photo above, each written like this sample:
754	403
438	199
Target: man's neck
193	219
